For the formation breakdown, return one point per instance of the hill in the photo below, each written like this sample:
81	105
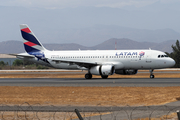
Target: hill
90	26
12	46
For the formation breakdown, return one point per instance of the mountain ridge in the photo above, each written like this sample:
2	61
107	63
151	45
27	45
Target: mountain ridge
13	46
92	25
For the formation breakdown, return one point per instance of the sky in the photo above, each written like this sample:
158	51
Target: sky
59	4
90	22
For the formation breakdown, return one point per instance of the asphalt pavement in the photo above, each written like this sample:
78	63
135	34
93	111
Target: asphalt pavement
111	82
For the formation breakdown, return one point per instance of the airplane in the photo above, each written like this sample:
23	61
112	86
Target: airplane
96	62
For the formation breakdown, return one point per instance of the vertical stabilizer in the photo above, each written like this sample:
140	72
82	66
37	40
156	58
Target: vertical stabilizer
31	43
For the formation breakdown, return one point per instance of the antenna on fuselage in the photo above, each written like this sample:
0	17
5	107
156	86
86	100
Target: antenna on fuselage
116	45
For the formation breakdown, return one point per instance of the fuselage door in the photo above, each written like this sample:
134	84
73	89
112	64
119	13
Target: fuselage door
148	57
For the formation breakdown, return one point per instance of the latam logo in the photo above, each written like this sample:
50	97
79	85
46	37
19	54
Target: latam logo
130	53
39	55
141	53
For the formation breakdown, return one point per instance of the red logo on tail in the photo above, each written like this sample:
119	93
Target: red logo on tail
27	30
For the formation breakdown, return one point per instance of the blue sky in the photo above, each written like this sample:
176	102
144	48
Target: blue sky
90	22
52	4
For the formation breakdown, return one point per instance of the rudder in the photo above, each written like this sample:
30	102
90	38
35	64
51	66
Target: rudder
31	43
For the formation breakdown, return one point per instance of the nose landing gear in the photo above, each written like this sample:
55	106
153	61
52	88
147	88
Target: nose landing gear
151	73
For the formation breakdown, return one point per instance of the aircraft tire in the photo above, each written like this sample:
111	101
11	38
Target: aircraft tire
88	76
151	76
104	76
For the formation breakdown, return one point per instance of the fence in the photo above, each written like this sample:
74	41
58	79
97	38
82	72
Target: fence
26	111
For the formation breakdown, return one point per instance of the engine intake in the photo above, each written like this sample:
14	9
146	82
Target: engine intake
102	70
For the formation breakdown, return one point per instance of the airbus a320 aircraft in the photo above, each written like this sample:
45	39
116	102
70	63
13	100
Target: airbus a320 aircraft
96	62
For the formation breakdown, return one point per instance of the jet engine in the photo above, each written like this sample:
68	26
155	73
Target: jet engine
126	72
102	70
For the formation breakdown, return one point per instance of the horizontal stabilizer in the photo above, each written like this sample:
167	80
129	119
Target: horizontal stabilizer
20	55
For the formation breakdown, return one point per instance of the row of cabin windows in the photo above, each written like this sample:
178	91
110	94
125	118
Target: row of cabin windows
62	57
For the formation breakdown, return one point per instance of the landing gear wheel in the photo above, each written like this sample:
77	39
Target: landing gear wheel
151	76
104	76
88	76
151	73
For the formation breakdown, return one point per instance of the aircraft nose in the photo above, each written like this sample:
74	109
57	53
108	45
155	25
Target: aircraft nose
171	62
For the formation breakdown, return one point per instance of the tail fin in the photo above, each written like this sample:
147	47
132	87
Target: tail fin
31	43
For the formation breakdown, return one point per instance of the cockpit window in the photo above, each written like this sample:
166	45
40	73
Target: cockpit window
161	56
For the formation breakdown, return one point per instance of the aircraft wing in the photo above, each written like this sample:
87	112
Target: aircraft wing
22	55
86	64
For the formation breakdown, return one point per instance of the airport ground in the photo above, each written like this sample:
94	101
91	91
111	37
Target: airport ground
53	73
88	95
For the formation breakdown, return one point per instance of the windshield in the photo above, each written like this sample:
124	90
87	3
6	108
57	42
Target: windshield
162	56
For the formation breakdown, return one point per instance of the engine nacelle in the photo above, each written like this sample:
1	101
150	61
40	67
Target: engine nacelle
102	70
126	72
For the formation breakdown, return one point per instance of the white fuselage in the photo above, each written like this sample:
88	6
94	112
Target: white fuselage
97	62
121	59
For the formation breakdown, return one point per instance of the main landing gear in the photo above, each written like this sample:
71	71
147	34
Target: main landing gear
104	76
88	76
151	73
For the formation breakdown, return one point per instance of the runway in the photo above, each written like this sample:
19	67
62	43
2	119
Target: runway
112	82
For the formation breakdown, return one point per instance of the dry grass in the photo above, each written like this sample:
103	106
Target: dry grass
89	95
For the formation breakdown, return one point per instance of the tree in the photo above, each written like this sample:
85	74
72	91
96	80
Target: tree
28	62
2	63
18	62
175	54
